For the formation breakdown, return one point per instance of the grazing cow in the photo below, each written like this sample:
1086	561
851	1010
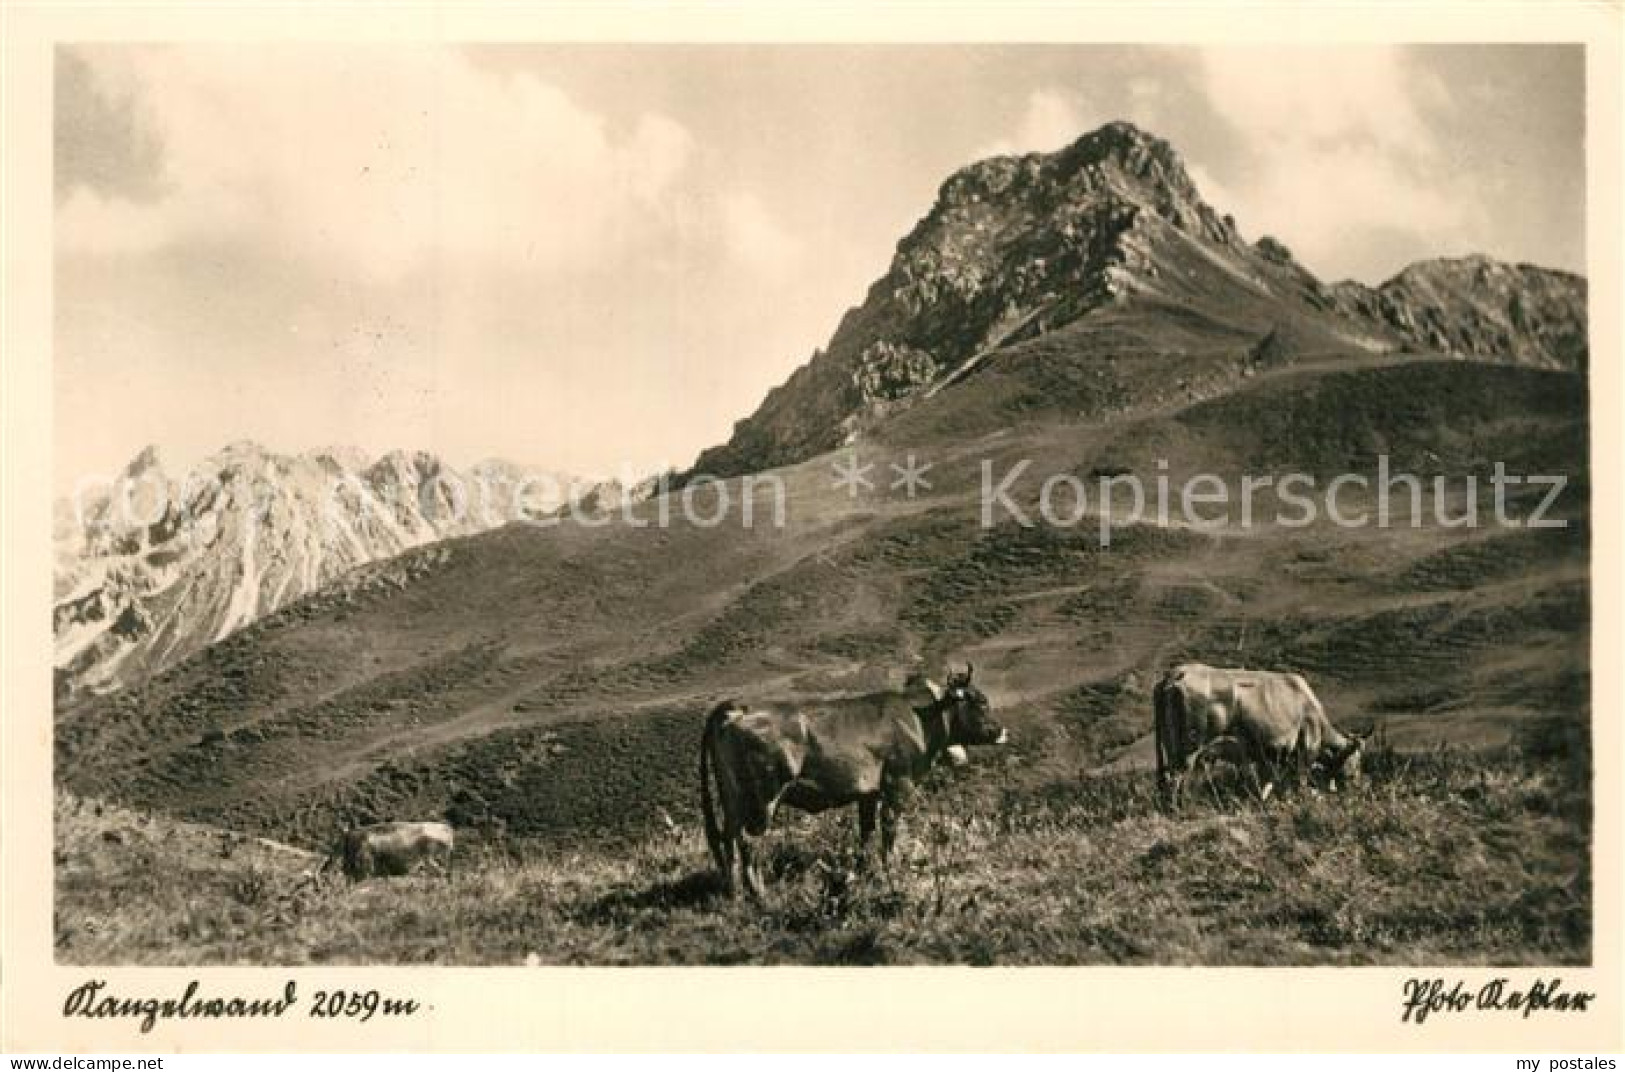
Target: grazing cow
1264	717
393	849
821	754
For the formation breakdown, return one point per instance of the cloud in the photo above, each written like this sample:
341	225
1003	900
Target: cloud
372	164
100	144
401	246
754	237
1341	204
1338	151
1148	102
1213	191
1317	95
1051	120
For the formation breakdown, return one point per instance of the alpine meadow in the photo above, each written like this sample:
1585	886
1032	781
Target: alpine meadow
973	501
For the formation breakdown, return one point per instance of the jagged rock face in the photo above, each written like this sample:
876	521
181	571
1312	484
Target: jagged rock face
1012	247
152	568
888	370
1018	246
613	495
1477	307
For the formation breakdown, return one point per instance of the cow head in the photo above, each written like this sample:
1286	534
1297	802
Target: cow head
1342	759
970	717
356	856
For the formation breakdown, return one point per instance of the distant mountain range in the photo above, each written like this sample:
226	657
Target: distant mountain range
1018	247
160	564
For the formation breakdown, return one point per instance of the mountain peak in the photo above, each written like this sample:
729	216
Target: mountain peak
400	461
1124	143
1119	157
243	448
1020	246
342	458
1013	247
1475	306
1477	267
149	459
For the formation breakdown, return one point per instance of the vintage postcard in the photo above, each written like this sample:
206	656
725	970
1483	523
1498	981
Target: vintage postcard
771	528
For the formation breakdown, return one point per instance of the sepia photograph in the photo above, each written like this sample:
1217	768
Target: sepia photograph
828	501
645	505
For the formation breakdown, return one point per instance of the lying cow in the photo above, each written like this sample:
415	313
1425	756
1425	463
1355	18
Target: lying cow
393	849
821	754
1264	718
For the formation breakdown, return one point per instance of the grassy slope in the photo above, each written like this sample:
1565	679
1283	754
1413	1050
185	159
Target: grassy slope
549	683
1089	872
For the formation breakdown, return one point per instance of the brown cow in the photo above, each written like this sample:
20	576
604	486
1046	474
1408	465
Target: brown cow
821	754
393	848
1269	719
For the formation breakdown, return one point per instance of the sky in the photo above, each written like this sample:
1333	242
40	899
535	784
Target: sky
596	258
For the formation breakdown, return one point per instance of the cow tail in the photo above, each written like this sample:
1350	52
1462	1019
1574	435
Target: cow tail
1162	703
1159	702
713	831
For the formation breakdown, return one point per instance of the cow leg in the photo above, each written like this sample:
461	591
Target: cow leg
1286	762
751	874
755	819
1173	787
894	797
737	805
1278	763
730	863
1197	761
868	811
1265	775
1207	756
1259	773
727	853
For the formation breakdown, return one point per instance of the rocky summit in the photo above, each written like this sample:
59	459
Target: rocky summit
1481	308
1016	247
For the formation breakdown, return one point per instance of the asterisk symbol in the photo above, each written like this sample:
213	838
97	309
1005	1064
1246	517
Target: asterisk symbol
853	475
911	476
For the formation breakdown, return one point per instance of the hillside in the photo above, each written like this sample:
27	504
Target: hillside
548	682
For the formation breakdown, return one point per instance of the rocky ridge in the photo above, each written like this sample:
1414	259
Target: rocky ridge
153	566
1019	246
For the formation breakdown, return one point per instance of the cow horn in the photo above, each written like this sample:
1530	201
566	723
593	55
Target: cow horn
969	670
